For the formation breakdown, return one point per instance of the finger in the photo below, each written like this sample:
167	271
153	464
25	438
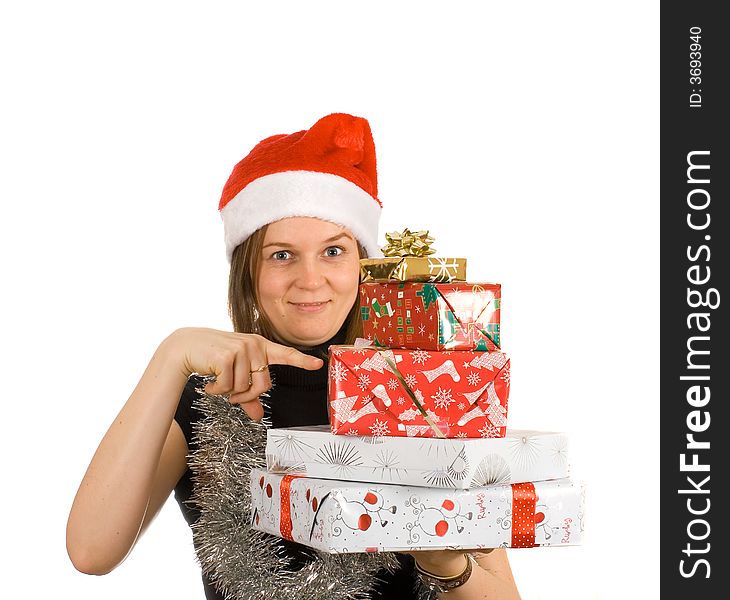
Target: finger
241	373
250	363
223	383
260	383
252	407
285	355
257	363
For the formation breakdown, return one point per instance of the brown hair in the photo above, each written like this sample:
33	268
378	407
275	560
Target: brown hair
243	306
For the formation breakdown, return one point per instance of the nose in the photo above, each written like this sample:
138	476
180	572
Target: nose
310	274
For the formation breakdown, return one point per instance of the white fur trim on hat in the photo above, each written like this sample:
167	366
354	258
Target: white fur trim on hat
301	194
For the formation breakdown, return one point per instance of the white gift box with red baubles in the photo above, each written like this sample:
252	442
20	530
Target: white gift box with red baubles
461	463
343	517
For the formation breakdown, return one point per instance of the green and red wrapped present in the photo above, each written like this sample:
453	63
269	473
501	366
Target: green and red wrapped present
396	392
431	316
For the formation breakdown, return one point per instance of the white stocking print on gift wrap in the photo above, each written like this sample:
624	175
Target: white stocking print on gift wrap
414	430
495	411
440	385
489	360
447	368
342	408
379	362
380	392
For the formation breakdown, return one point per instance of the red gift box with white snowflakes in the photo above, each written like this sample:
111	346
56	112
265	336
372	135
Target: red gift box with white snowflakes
431	316
396	392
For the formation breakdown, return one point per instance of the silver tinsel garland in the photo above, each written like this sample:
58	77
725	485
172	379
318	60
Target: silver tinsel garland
245	564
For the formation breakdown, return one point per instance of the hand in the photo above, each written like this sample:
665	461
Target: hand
236	360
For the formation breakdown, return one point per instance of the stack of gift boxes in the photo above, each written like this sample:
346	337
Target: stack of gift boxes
418	455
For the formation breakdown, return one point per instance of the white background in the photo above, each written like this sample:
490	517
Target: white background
523	135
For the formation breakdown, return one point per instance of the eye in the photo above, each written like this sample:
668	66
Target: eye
334	251
281	255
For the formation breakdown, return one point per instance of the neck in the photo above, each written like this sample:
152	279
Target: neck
321	350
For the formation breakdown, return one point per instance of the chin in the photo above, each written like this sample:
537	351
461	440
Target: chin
310	338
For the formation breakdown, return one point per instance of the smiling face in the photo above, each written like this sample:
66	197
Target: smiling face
308	278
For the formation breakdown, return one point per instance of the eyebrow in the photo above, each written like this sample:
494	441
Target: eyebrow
334	238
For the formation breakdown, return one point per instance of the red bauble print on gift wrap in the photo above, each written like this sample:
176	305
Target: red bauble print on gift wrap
544	528
364	521
356	517
435	521
358	512
267	493
312	500
372	499
267	510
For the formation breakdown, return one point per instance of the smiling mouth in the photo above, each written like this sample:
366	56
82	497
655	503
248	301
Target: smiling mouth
309	306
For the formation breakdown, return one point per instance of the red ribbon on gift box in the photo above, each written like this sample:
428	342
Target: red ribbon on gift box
524	500
285	525
285	519
524	519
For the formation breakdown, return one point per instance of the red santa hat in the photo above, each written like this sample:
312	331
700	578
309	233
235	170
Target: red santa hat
327	171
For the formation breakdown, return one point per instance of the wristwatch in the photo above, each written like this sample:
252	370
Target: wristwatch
445	584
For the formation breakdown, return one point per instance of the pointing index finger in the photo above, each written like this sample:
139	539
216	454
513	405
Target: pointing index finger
285	355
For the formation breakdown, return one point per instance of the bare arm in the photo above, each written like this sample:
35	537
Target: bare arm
491	577
491	580
143	454
126	471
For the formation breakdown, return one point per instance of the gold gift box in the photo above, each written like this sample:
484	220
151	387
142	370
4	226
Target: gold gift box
425	269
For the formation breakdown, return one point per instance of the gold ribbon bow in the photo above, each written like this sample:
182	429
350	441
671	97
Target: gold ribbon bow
408	243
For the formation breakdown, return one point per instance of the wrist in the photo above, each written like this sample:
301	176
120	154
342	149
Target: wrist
169	356
442	564
446	583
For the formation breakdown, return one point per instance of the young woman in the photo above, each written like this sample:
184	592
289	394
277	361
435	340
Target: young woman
299	211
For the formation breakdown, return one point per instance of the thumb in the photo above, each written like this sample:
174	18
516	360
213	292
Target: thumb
276	354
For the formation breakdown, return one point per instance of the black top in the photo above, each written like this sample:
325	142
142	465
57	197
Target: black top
298	397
